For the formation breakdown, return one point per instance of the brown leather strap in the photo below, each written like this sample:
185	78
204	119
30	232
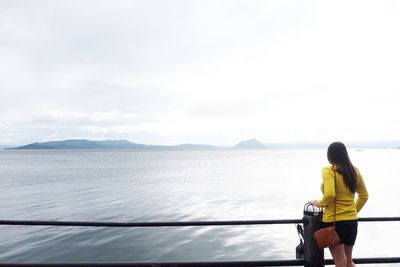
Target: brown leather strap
334	200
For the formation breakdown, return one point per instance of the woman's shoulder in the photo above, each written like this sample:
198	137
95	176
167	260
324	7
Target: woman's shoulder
356	169
327	169
358	172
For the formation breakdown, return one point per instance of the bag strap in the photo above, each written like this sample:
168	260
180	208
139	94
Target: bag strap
334	200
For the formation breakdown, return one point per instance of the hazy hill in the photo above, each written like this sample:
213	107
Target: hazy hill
107	144
84	144
246	144
250	144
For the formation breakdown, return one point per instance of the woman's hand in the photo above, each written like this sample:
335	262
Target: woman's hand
314	203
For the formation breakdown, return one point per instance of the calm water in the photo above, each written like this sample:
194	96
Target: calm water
178	186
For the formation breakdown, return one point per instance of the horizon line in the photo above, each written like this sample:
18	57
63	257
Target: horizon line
352	144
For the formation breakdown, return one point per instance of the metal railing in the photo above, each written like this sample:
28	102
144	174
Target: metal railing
299	262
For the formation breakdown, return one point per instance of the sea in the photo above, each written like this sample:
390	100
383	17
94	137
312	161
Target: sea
165	186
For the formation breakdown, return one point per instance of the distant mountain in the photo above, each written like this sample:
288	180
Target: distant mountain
85	144
250	144
108	144
246	144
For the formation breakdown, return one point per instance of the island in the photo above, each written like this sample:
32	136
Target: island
109	144
125	144
250	144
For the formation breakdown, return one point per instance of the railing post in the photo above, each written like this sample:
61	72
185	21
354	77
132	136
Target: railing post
313	256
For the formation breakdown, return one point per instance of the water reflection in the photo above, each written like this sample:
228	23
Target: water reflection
173	186
75	244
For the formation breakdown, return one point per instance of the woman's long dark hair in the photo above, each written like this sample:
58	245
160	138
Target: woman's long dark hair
338	156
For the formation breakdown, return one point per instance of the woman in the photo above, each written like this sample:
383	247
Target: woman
348	182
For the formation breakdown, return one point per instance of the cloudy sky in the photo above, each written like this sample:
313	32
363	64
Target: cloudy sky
205	71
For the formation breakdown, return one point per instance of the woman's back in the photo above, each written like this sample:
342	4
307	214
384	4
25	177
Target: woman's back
349	181
346	207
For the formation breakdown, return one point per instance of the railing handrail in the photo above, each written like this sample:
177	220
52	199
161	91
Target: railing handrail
172	223
201	264
298	262
147	224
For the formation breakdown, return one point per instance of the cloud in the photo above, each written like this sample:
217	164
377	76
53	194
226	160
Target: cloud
168	72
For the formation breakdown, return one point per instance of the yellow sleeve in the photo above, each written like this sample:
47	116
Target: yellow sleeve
361	192
328	188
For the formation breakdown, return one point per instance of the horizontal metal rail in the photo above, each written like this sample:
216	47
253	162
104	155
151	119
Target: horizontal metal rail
201	264
193	223
146	224
171	264
379	219
169	224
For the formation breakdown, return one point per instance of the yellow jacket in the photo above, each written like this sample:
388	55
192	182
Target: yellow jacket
346	207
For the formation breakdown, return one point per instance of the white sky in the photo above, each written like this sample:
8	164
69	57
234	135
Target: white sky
211	72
